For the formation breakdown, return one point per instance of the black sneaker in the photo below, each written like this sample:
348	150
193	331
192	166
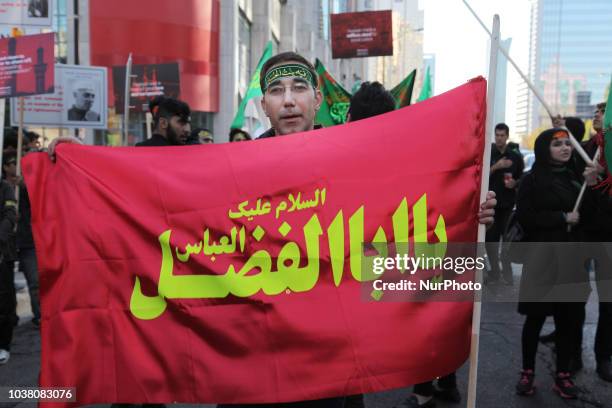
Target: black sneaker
525	385
413	402
565	386
448	394
548	338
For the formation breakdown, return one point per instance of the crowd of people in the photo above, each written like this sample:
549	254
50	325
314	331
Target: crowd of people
543	198
16	241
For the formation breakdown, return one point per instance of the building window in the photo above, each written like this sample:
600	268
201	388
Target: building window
59	24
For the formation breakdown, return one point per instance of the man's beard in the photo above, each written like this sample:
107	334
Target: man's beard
173	137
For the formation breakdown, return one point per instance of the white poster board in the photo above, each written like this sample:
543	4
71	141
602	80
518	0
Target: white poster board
20	13
80	100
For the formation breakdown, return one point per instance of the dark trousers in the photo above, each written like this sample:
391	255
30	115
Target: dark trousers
567	318
579	316
324	403
7	304
426	389
494	233
29	267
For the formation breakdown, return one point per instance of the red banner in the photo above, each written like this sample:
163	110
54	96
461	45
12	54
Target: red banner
243	283
362	34
26	65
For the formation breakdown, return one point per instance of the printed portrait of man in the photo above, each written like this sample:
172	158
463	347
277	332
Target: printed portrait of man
84	97
38	8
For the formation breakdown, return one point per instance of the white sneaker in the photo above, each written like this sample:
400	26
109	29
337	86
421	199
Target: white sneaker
4	356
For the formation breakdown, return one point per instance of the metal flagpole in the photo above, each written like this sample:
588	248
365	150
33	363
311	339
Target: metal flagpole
19	146
149	122
484	183
2	111
126	101
537	94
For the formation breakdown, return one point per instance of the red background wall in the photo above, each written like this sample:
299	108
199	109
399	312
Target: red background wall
156	31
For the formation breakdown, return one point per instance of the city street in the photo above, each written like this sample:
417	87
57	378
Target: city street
499	363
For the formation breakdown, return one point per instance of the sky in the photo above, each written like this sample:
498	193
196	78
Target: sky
461	45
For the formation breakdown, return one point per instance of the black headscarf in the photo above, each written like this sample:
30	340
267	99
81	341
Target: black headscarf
543	168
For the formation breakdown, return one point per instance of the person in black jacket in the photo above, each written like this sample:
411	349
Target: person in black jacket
171	122
506	169
597	231
545	204
8	219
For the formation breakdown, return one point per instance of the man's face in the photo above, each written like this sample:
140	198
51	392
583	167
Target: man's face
291	103
177	129
598	118
501	138
84	98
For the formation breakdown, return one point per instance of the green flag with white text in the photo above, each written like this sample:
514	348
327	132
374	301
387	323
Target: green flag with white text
250	115
336	99
402	92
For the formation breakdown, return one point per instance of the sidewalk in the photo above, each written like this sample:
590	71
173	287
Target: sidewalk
500	360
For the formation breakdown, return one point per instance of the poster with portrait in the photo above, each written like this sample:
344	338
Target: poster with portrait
79	101
24	13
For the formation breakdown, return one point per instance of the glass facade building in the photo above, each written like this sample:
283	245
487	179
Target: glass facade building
571	56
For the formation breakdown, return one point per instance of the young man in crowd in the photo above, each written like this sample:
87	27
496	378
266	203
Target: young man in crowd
506	169
171	122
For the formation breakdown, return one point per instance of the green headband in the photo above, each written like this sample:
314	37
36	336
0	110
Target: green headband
289	70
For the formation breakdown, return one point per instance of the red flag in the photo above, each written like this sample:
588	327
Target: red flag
229	273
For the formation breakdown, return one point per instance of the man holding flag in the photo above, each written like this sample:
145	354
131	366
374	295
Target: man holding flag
290	99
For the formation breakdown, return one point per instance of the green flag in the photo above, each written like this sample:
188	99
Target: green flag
402	92
250	114
336	99
607	128
426	89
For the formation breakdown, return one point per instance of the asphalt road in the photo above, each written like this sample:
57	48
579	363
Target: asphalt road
499	363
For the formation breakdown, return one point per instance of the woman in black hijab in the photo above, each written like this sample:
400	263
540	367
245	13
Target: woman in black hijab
545	203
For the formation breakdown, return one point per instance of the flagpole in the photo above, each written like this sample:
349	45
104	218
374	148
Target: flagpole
2	111
19	146
484	186
537	94
149	121
126	101
583	188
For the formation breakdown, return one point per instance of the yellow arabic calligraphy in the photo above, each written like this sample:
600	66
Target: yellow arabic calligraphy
297	204
288	273
249	214
225	246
